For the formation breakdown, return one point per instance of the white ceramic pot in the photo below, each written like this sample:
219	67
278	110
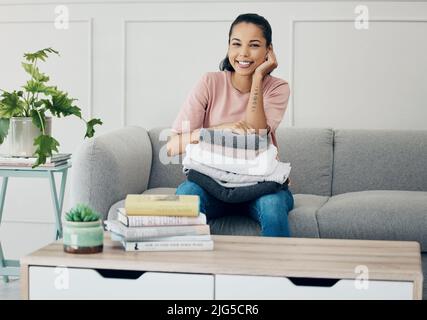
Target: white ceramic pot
22	134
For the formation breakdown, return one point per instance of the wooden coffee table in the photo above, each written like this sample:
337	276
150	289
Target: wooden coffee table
239	267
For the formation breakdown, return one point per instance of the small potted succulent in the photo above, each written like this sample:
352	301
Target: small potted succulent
83	231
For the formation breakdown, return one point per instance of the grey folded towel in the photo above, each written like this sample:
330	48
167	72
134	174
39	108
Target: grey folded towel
234	195
227	138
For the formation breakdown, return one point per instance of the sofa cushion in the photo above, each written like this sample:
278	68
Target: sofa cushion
107	167
235	225
165	171
310	152
302	219
376	215
379	160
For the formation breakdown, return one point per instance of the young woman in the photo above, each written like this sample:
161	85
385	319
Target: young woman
243	97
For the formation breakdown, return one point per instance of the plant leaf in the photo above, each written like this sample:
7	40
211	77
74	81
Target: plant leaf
4	129
61	105
82	213
36	119
45	146
35	86
50	91
41	54
90	131
39	103
11	105
34	72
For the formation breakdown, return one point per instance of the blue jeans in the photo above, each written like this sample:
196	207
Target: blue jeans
271	210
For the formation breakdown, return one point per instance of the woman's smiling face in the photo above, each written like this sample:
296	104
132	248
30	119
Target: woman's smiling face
247	48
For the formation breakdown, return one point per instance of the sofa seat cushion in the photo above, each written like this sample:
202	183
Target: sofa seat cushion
376	215
302	219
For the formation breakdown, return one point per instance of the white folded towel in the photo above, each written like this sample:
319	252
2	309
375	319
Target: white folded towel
279	174
264	164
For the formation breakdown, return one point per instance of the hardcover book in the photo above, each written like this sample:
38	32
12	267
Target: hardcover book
162	205
29	165
169	246
7	159
140	233
203	237
141	221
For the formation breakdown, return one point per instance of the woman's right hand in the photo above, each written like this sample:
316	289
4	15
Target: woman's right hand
239	127
224	126
242	127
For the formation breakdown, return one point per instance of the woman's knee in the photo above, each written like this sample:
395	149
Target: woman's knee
272	213
276	202
189	188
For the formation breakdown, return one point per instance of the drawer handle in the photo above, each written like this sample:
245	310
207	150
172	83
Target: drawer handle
313	282
120	274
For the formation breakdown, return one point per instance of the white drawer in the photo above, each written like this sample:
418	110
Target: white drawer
75	283
281	288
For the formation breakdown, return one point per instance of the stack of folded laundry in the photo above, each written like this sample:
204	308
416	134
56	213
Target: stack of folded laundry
235	168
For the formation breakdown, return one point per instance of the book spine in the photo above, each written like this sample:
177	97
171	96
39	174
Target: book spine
143	221
30	161
169	246
124	219
203	237
136	234
162	209
29	165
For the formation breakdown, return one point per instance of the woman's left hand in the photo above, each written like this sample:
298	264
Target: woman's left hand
269	65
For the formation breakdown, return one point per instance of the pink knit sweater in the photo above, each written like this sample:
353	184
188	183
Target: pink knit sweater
214	101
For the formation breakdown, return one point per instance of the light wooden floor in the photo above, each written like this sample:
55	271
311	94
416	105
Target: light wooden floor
9	291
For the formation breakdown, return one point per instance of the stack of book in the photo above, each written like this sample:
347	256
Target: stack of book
161	223
27	162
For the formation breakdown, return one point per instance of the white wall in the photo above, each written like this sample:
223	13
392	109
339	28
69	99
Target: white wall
134	62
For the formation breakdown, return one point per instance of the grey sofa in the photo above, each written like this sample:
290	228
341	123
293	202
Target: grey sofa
352	184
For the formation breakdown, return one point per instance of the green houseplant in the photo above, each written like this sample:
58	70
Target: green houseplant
36	102
83	232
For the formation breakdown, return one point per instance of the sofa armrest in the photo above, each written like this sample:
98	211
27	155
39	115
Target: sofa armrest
108	167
